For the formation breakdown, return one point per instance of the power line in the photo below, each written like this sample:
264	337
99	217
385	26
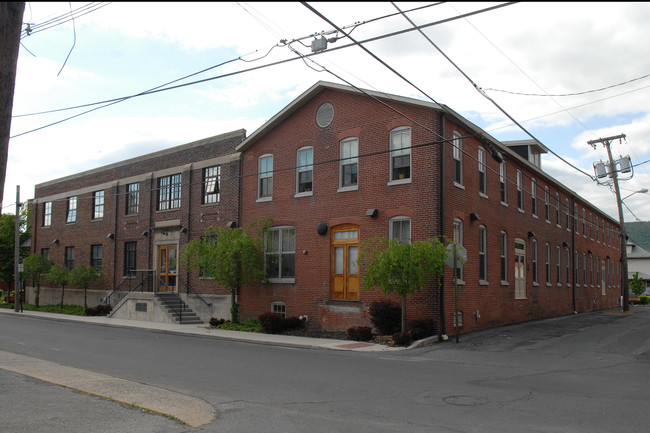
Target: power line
62	19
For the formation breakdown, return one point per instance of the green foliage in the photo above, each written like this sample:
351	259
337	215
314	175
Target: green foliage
83	276
36	268
250	325
401	268
60	276
402	339
7	243
644	299
230	256
99	310
234	312
385	316
637	285
75	310
420	329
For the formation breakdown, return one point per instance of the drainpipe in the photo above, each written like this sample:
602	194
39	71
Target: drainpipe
443	327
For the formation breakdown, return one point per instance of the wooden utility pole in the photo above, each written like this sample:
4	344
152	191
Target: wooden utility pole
11	22
614	175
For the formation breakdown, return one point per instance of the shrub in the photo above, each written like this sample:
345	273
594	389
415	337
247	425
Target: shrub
275	323
420	329
402	338
386	316
99	310
214	322
234	313
360	333
644	299
250	325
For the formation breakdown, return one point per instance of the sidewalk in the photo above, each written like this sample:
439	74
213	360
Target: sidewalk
206	331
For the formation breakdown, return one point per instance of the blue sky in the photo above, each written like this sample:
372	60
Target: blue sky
125	48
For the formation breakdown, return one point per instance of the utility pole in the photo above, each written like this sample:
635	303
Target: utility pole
11	22
17	298
613	173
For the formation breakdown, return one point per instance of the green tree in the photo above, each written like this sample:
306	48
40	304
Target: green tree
59	275
83	276
230	256
637	285
399	267
7	243
36	268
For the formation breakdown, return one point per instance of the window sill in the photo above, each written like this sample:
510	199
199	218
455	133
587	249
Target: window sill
460	282
504	283
483	195
282	280
348	188
459	185
264	199
304	194
483	283
503	203
400	182
549	285
96	220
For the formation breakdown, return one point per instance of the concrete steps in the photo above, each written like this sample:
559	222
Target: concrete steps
178	310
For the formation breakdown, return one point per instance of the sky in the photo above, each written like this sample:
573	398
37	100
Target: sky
566	73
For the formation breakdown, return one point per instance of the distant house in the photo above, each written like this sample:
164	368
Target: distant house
638	260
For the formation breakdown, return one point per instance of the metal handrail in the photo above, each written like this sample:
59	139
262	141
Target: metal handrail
141	284
190	289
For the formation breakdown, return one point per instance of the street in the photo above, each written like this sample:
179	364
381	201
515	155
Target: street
582	373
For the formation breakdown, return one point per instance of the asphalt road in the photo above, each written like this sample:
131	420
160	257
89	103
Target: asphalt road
582	373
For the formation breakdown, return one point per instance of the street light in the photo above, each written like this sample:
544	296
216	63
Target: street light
641	191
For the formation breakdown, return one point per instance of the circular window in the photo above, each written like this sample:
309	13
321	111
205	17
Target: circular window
325	115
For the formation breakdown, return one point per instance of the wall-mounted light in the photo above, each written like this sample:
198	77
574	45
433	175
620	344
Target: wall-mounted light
564	244
110	236
531	234
55	242
474	217
232	224
321	228
184	230
372	213
145	233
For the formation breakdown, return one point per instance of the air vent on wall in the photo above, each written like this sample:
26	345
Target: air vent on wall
325	115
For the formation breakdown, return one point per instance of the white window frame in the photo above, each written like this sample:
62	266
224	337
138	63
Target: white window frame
265	176
520	191
458	239
401	220
457	146
71	211
503	183
482	172
482	254
351	160
98	205
47	214
282	251
305	165
533	194
504	257
398	136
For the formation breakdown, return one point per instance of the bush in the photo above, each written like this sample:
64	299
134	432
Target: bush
214	322
99	310
250	325
275	323
360	333
386	316
644	299
402	338
420	329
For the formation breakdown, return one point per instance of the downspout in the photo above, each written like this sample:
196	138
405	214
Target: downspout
573	251
117	210
442	317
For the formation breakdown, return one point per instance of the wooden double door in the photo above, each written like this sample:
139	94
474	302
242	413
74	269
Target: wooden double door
167	268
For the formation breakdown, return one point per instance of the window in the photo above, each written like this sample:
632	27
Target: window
575	219
305	170
349	163
584	223
45	252
504	257
279	308
458	318
548	264
400	229
584	269
597	231
576	265
458	239
482	174
69	258
533	195
482	252
591	226
400	154
169	192
98	205
566	210
558	266
280	254
547	205
211	184
72	210
520	269
130	249
96	256
535	263
47	214
132	198
568	267
557	210
458	159
265	177
520	192
502	182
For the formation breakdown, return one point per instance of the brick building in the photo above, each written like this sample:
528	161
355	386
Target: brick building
333	168
131	218
338	166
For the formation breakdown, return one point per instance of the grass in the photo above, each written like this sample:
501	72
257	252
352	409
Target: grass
250	325
75	310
